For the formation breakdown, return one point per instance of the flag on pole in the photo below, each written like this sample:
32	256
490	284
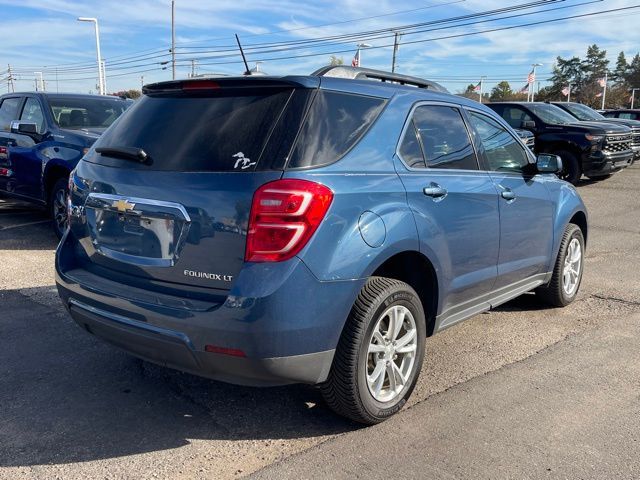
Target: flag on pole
356	59
602	82
531	78
477	87
524	89
566	91
598	95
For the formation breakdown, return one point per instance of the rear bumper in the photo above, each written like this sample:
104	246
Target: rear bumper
601	164
270	336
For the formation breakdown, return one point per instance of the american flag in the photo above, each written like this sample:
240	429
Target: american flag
602	82
598	95
566	91
524	89
477	87
531	78
356	59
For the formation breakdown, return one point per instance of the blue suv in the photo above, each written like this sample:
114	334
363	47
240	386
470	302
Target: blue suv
42	138
313	229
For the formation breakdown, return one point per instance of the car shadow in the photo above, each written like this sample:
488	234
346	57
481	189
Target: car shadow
527	302
24	226
67	397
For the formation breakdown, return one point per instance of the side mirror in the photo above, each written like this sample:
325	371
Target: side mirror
27	128
529	124
548	163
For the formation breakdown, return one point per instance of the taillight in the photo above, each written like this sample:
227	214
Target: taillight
4	153
284	216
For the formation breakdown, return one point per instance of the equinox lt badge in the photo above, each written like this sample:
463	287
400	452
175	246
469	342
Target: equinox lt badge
210	276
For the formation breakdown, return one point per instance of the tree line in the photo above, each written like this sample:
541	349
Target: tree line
582	76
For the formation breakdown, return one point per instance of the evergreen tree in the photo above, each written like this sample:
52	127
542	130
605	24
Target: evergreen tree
501	91
619	75
595	64
633	74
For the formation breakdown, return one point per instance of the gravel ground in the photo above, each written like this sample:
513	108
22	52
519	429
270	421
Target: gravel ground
75	408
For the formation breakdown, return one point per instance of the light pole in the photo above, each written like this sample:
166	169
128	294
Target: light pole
534	65
361	46
173	39
481	86
100	75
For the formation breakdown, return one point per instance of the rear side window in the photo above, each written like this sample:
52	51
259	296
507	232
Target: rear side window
336	121
226	132
444	138
32	113
515	117
8	112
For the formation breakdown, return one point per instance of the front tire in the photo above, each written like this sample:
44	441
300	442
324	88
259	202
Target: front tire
567	272
571	171
379	354
58	206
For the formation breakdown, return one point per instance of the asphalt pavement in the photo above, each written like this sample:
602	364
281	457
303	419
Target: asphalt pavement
520	392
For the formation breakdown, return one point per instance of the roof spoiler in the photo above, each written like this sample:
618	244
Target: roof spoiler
359	73
205	84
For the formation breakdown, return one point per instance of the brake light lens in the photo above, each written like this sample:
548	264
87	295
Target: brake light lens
199	85
284	216
4	153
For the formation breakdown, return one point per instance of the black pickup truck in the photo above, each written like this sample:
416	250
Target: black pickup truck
588	114
594	149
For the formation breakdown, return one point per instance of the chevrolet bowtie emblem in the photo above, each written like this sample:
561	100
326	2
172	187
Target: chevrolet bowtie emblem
123	205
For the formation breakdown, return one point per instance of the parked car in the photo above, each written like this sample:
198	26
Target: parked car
365	216
527	138
42	138
594	149
625	113
588	114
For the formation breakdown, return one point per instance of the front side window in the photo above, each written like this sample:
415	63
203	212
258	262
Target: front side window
503	151
551	114
32	113
8	112
444	138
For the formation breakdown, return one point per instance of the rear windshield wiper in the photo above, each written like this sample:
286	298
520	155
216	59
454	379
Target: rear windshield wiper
126	153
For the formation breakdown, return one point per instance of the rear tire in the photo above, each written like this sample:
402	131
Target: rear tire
370	380
58	206
571	171
567	272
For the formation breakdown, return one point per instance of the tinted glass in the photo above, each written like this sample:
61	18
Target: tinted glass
444	138
32	113
582	112
8	112
86	112
335	123
410	149
183	133
551	114
503	151
514	116
628	115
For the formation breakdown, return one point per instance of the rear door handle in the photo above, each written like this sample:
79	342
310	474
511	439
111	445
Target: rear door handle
508	194
434	191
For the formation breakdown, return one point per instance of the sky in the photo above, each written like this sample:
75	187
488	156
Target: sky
44	35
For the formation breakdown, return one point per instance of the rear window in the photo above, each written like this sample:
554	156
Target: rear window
226	132
334	124
85	112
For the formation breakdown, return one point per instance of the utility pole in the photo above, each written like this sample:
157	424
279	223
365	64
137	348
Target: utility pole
173	39
193	68
10	86
141	82
39	86
396	46
57	84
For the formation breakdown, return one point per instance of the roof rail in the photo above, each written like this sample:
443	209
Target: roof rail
359	73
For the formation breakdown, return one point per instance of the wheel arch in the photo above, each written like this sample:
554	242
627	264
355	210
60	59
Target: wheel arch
415	269
52	174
